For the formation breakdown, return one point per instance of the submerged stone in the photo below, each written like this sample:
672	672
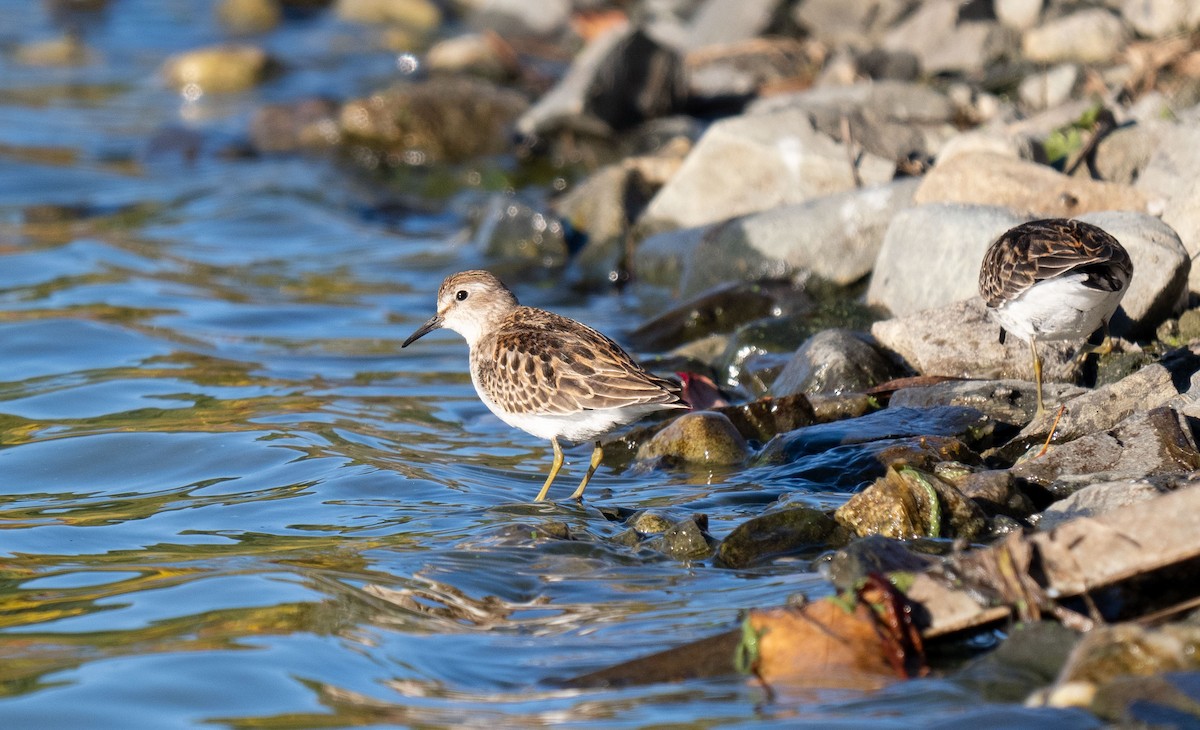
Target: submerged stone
774	534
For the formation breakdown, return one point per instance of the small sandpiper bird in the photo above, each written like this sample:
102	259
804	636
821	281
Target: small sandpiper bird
547	375
1053	279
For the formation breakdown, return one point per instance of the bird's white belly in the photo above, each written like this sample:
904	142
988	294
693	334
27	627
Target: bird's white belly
575	427
1061	308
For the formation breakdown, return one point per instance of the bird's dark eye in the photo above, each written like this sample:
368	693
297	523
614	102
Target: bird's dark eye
461	294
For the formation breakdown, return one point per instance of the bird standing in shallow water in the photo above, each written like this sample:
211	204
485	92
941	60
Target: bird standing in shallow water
1053	279
547	375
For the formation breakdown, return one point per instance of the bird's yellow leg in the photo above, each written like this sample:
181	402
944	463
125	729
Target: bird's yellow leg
1037	378
597	454
554	467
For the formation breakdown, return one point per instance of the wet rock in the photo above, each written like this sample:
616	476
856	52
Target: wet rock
218	69
1159	18
683	537
762	419
1173	381
931	254
840	407
687	539
882	426
1019	185
1008	401
831	362
1091	35
419	15
963	45
755	162
433	121
509	229
907	503
873	554
620	79
1162	265
720	22
1100	671
1096	499
1018	14
700	437
1049	88
1028	659
1148	443
961	340
479	54
249	16
838	23
775	534
305	124
893	120
996	492
721	309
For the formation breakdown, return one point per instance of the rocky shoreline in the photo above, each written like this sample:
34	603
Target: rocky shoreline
816	182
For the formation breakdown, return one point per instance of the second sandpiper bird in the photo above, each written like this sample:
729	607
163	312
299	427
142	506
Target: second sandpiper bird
547	375
1053	279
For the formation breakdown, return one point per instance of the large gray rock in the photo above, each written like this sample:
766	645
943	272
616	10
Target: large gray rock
1092	35
755	162
1160	264
892	119
960	340
931	255
960	46
836	237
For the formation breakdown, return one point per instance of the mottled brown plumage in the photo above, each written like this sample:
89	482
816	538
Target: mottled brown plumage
543	373
1054	279
1039	250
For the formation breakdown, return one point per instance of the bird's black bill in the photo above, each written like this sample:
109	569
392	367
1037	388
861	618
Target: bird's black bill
434	323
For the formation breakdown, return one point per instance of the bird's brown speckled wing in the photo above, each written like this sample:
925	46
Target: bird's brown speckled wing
1040	250
539	362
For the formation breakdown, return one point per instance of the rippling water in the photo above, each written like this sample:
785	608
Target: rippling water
228	498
